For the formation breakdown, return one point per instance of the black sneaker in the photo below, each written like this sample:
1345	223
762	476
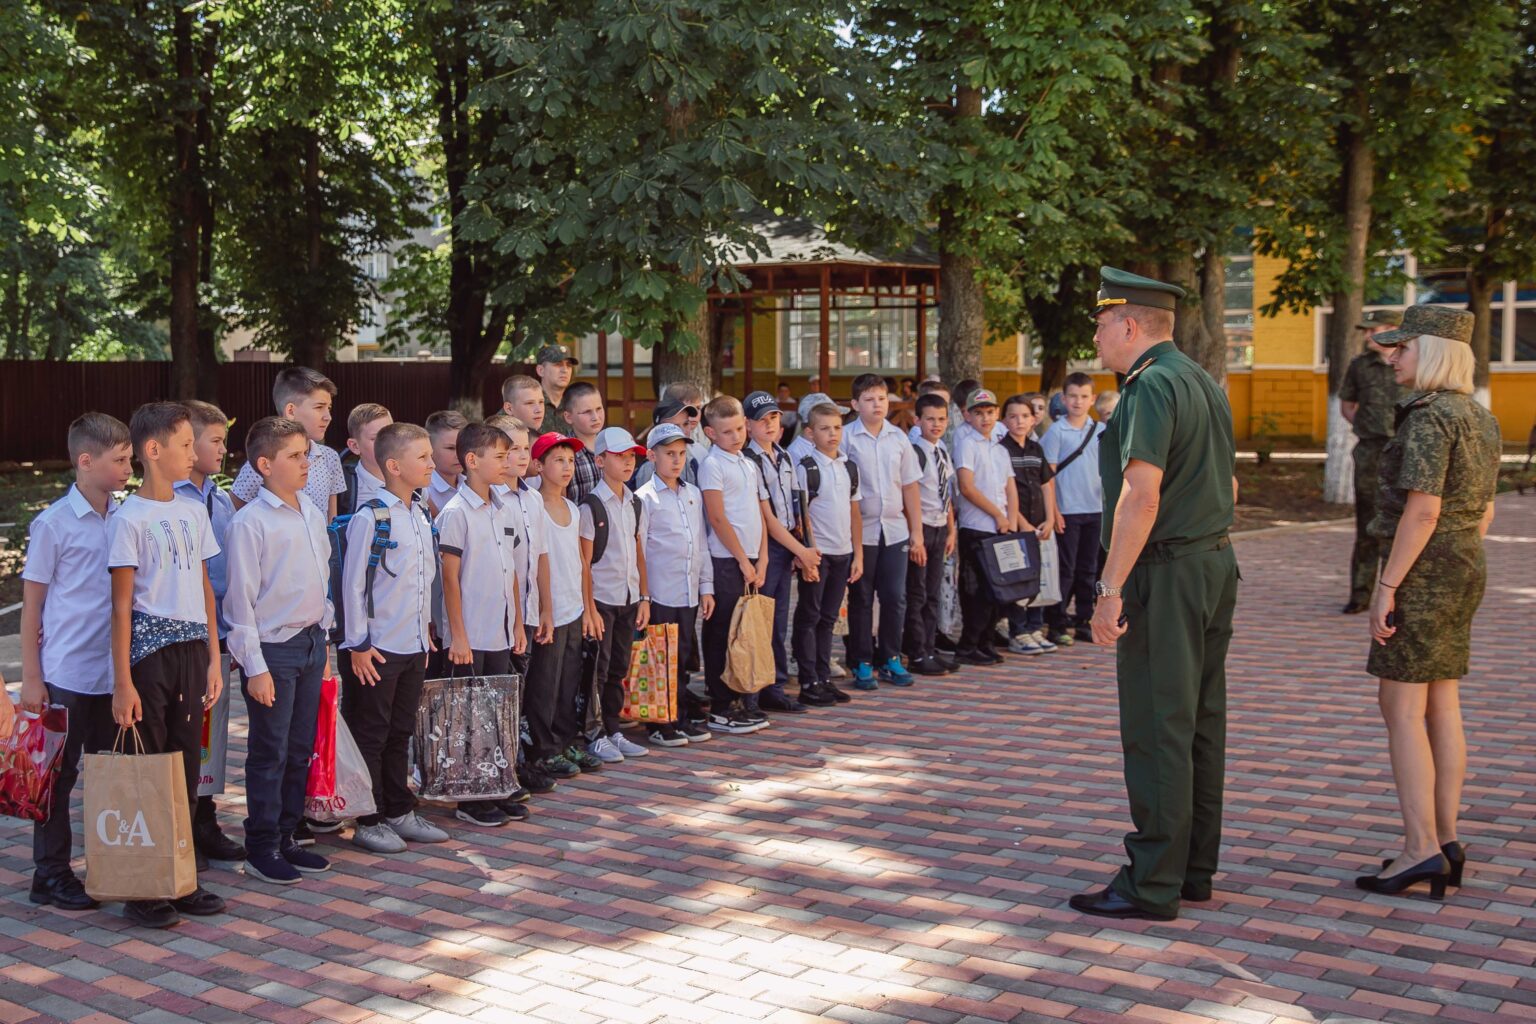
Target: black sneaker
303	835
1084	633
273	868
211	841
814	696
199	903
307	861
927	667
837	693
324	827
63	891
559	767
733	720
151	913
946	661
480	812
755	715
520	795
667	736
584	760
695	731
536	779
977	657
515	810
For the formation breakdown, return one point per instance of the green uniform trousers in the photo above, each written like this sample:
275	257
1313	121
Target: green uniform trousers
1171	666
1366	559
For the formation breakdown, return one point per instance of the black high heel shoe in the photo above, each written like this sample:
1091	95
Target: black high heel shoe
1436	871
1455	854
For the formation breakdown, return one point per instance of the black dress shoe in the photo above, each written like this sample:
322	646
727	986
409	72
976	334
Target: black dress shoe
1355	608
946	661
1436	871
1193	893
928	667
62	891
200	903
817	697
1455	854
151	913
977	657
212	843
1108	903
837	694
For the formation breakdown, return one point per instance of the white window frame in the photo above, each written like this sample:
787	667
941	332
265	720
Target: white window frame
784	328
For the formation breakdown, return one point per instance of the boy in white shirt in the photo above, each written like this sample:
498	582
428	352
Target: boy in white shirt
165	641
387	618
989	504
365	476
617	595
554	670
936	490
304	396
674	536
734	503
65	659
279	615
834	525
443	428
210	428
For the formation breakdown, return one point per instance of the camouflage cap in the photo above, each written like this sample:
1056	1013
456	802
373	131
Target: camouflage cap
1121	287
1380	318
1441	321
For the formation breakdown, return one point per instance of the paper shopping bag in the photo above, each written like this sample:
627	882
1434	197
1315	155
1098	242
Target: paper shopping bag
749	656
322	763
353	796
210	772
467	736
138	825
29	763
650	689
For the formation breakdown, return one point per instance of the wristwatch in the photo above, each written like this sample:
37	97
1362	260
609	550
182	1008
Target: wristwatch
1100	589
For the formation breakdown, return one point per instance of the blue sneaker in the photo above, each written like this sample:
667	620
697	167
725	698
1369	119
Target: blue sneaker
895	673
864	677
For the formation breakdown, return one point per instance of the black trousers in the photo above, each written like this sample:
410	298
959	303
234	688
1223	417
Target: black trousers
91	730
382	718
923	584
815	615
979	610
687	620
485	663
1077	549
610	664
781	570
171	684
885	573
549	694
729	587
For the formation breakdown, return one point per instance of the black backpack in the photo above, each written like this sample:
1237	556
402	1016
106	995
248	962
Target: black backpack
599	512
813	476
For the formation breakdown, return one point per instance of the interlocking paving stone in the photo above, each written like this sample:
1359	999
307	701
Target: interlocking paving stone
905	858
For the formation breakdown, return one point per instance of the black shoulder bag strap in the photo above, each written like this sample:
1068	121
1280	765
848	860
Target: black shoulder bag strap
1093	432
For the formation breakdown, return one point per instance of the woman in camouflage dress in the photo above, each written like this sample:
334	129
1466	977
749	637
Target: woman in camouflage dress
1438	477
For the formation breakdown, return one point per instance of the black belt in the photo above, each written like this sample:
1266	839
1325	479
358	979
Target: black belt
1171	550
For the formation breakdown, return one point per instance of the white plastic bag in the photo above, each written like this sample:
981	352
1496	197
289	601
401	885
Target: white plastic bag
354	786
1050	576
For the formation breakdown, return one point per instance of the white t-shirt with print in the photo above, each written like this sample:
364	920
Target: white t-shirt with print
166	543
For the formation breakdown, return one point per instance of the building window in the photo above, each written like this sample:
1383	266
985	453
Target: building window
1520	339
876	333
586	351
1239	306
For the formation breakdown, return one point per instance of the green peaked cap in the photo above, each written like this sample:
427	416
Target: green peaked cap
1121	287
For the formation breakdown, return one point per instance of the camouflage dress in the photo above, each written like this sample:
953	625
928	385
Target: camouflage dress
1446	445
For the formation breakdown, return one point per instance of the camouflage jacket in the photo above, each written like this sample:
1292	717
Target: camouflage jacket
1370	381
1447	445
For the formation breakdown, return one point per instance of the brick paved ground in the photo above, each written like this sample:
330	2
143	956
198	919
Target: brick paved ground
905	859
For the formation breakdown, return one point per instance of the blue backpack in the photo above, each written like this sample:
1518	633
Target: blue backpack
380	546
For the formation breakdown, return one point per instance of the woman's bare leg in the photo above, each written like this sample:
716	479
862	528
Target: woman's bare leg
1403	708
1448	746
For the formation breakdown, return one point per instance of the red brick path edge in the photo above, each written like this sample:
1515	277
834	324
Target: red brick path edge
908	857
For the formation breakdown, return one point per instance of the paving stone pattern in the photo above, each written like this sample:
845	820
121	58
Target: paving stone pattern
905	858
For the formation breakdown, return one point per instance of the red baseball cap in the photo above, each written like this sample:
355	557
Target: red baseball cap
547	441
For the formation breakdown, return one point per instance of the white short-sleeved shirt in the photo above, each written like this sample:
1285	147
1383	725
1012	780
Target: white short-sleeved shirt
368	486
799	448
166	544
831	511
615	579
67	553
485	535
279	572
674	542
325	478
992	474
524	508
220	511
886	464
741	488
402	595
440	492
563	544
936	489
778	473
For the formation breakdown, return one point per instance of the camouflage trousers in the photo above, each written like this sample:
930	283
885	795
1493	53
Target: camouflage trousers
1366	559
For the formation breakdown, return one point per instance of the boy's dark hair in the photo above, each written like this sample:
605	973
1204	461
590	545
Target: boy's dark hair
868	382
964	389
205	414
929	401
1077	379
155	421
296	383
580	389
267	437
95	433
823	410
477	437
722	408
362	415
394	439
446	421
1013	400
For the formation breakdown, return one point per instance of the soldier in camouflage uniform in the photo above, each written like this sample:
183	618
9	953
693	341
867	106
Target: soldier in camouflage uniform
1438	477
1368	399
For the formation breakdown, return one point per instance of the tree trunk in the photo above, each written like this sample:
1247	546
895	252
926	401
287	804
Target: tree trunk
466	375
14	339
1190	331
207	335
962	318
310	346
186	216
1355	191
1213	309
1480	301
1053	371
697	365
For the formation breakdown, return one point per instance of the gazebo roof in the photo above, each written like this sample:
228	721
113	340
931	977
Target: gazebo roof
798	242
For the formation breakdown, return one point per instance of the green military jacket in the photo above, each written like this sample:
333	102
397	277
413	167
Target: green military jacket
552	421
1448	445
1174	416
1370	381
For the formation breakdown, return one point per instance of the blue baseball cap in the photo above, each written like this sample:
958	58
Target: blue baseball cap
665	433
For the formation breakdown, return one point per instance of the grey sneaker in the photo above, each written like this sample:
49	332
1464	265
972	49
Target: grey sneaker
625	747
413	829
378	838
603	749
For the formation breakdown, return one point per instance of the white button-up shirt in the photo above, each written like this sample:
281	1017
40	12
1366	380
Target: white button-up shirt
778	473
220	511
616	578
886	464
741	488
831	511
935	499
675	544
279	572
67	553
992	474
326	480
439	493
402	584
368	487
485	536
525	507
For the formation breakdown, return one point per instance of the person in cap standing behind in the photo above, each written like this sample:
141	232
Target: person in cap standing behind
679	406
1368	399
803	444
1434	506
555	366
1166	597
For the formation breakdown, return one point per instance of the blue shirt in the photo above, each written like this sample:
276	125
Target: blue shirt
220	511
1079	490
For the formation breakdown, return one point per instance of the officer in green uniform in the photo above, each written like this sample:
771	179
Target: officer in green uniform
1368	398
1165	597
555	367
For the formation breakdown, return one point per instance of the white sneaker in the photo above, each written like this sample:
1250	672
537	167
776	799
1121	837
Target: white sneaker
1024	643
378	838
625	747
411	827
837	669
1045	645
603	749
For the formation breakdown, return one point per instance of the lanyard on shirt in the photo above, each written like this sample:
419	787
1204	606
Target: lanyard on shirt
942	458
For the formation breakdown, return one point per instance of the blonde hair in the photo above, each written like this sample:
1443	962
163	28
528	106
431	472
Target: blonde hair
1444	365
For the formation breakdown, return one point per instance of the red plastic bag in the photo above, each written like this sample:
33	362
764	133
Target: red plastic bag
322	763
29	762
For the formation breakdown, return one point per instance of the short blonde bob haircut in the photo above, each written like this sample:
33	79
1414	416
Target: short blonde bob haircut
1444	365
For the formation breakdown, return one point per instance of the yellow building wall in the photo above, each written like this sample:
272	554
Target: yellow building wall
1512	397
